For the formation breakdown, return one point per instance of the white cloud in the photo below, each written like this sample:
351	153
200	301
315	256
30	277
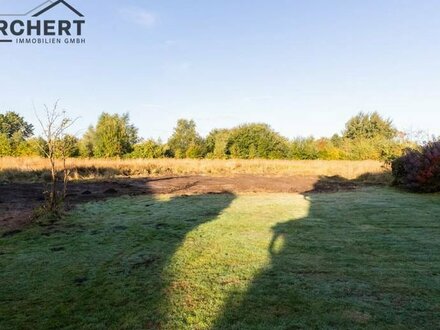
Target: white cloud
139	16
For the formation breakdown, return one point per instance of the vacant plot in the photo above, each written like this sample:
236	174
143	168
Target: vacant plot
368	258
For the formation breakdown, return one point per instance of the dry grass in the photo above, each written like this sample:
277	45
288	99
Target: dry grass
36	169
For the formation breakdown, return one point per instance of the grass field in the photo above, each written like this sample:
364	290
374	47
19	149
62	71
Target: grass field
36	169
363	259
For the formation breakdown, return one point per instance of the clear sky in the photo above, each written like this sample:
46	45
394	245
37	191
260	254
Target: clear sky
304	67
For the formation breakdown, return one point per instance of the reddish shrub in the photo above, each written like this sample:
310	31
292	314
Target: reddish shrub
419	170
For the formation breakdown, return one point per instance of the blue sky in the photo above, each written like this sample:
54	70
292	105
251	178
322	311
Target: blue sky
304	67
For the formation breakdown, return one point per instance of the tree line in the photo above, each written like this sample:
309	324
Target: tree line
366	136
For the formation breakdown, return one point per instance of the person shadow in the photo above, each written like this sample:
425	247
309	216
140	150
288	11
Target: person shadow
332	269
108	264
146	255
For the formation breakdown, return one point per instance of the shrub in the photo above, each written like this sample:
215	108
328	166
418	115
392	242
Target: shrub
303	148
114	136
251	141
217	143
148	149
419	170
186	141
368	126
5	146
31	147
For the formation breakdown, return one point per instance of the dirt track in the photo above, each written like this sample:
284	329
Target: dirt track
17	200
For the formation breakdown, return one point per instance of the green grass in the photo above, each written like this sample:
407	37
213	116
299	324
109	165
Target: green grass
365	259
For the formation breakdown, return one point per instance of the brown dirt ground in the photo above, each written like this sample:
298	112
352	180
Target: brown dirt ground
18	200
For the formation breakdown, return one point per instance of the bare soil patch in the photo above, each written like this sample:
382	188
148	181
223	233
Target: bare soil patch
18	200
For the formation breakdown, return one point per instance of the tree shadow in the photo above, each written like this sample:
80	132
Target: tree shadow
339	267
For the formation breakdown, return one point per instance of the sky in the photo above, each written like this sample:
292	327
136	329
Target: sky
304	67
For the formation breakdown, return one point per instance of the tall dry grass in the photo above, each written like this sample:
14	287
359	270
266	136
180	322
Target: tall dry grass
36	169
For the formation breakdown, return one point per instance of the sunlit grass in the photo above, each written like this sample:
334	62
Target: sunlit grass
368	258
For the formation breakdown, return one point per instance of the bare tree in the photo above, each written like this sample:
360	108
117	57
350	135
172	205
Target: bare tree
54	125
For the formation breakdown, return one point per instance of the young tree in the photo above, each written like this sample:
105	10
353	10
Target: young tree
114	136
185	141
54	126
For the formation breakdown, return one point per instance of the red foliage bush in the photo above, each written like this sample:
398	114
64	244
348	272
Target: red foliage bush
419	170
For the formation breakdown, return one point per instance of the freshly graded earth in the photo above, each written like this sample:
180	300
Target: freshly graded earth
18	200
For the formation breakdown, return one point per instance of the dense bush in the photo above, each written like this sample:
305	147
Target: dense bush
31	147
5	145
303	148
150	149
217	143
185	141
251	141
369	126
113	136
419	169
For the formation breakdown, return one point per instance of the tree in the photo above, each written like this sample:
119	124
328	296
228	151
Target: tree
185	141
5	146
369	126
85	145
217	143
148	149
54	126
12	124
303	148
31	147
114	136
68	147
256	141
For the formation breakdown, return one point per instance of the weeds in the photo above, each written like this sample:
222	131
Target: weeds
37	169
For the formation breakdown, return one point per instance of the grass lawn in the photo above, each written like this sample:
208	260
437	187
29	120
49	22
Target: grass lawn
369	258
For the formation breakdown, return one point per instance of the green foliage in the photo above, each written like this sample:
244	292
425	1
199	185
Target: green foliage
85	145
5	145
149	149
11	123
303	148
366	136
68	147
32	147
217	143
251	141
114	136
14	130
185	141
369	126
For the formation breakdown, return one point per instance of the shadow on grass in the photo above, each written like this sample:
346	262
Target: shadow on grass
148	269
351	263
106	265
